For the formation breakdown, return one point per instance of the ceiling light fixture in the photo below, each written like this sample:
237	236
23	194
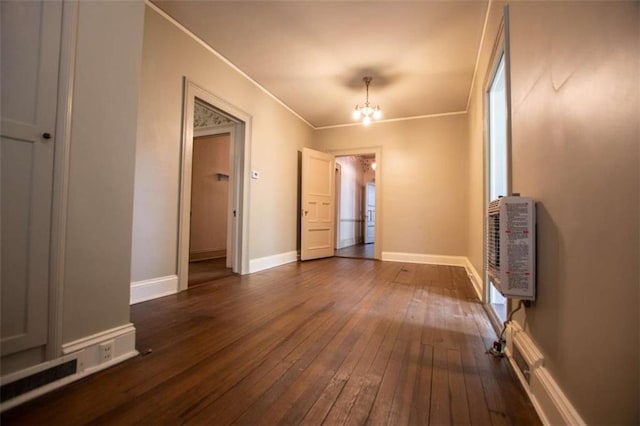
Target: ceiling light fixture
367	112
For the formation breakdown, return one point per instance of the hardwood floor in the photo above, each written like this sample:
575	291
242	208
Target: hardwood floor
204	271
334	341
358	251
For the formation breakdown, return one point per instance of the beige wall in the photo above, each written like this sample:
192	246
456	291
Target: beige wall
475	247
209	195
575	89
423	173
101	168
277	135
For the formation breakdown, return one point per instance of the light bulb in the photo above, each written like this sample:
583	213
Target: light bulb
366	120
356	114
377	114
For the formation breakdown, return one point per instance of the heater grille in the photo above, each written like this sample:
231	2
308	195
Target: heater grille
511	246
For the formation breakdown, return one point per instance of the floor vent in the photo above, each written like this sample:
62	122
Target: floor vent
26	384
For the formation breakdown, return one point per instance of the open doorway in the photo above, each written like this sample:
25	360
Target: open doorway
213	238
355	206
210	172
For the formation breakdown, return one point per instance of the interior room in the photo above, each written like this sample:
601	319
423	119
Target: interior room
355	206
179	180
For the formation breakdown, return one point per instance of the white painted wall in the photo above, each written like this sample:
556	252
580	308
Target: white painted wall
277	135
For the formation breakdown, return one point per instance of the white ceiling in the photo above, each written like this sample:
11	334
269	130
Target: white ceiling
312	55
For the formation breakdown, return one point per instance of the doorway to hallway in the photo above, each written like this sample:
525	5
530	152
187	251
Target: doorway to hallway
355	206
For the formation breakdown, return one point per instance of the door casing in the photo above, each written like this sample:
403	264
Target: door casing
238	182
377	151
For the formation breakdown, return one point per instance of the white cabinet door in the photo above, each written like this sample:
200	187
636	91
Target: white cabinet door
30	46
318	205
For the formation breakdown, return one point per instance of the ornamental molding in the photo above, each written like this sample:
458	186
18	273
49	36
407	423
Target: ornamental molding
206	116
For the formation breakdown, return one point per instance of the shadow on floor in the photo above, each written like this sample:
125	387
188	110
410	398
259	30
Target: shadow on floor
208	270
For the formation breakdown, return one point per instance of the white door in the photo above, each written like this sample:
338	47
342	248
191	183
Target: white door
30	46
370	209
318	200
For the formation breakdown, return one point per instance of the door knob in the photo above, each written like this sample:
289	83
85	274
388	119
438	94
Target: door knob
46	135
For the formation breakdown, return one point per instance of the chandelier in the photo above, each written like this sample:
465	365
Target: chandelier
367	112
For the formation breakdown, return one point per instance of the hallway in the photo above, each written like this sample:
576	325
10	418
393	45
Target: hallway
358	251
329	341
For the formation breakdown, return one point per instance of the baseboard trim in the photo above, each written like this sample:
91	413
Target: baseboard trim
142	291
430	259
552	401
474	277
267	262
552	405
86	352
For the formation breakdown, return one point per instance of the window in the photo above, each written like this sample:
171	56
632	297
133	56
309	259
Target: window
498	165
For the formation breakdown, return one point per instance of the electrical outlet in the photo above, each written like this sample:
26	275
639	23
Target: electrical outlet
106	351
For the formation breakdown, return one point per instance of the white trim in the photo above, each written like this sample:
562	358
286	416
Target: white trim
430	259
390	120
152	289
474	277
262	263
223	59
475	68
60	187
96	339
551	404
87	352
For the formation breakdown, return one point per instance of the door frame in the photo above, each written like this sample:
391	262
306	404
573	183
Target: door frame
500	49
377	152
366	211
238	183
61	166
338	191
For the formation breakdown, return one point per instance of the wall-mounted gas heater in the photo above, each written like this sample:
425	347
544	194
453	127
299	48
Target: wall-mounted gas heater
511	246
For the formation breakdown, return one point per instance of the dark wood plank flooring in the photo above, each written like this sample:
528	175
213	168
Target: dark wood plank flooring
204	271
358	251
333	341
